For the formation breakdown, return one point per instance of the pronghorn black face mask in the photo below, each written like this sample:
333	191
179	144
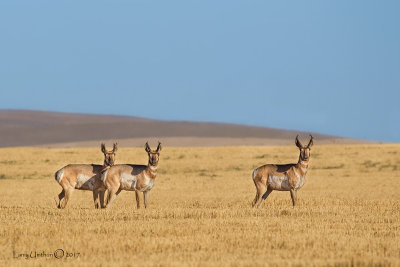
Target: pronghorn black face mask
154	155
305	151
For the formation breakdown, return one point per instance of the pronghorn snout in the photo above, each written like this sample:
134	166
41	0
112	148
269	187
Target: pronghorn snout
153	161
305	154
109	161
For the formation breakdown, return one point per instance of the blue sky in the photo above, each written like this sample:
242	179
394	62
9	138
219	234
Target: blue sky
324	66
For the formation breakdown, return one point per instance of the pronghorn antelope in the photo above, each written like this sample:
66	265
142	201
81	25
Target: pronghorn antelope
138	178
288	177
84	177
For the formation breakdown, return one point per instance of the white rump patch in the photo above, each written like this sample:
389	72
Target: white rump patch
60	175
255	173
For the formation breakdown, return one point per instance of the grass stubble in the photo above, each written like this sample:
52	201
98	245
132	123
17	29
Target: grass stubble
200	210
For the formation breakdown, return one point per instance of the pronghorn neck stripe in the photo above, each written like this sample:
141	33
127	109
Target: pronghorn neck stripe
303	163
303	166
152	171
153	168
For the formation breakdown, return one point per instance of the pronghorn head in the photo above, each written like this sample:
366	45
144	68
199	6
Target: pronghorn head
109	156
154	155
304	150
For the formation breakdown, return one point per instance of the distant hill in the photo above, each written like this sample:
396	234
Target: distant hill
42	128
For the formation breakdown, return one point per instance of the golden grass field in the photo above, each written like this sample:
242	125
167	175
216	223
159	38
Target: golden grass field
200	210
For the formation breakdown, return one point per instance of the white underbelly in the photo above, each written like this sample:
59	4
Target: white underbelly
280	183
128	182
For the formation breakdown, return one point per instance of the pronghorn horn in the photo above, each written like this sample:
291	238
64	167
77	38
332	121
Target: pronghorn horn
115	147
298	143
147	147
103	148
159	147
311	141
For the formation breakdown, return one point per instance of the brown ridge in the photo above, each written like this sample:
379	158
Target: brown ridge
38	128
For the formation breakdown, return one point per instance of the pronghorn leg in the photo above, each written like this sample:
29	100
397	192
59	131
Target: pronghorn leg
95	199
293	195
101	196
60	197
264	196
112	194
137	199
255	199
145	198
68	194
260	192
119	191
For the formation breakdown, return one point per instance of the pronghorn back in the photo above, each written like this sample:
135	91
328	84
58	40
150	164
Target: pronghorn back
272	168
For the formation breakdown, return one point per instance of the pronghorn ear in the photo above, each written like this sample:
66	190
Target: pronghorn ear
311	141
115	147
159	147
298	143
147	148
103	148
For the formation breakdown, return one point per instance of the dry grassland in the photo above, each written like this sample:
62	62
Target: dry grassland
200	210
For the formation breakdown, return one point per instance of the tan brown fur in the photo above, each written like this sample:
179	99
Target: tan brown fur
131	177
285	177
